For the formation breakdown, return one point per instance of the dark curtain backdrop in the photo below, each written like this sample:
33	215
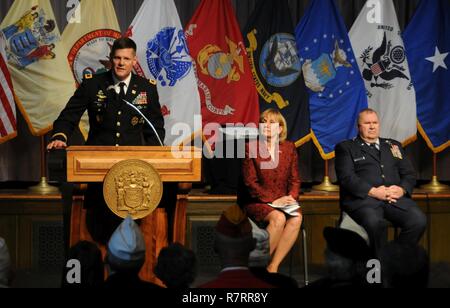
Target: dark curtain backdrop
20	157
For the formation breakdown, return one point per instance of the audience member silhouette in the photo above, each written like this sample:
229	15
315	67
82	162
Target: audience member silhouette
260	258
91	265
125	257
346	257
404	265
5	265
176	266
233	243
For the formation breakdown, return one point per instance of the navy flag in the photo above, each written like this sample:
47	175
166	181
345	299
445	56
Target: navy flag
275	64
427	43
331	73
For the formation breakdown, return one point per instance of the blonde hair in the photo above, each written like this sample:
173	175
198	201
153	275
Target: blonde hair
279	118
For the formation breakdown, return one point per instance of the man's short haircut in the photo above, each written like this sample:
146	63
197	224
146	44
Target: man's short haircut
365	110
123	43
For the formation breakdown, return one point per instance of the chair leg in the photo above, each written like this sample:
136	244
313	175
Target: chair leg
291	257
305	257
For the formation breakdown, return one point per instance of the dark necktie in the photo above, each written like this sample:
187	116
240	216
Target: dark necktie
373	146
122	91
374	149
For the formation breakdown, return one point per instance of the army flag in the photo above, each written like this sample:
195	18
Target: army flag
225	82
427	43
89	40
163	56
275	64
378	46
331	73
37	62
8	127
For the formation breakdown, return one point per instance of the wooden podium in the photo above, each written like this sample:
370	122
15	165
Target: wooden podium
87	164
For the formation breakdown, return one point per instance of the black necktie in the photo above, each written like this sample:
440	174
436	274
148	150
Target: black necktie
373	146
122	91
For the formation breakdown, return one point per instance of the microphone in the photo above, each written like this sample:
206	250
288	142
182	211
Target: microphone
145	118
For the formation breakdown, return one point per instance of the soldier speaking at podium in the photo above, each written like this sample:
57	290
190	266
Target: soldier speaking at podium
376	182
112	122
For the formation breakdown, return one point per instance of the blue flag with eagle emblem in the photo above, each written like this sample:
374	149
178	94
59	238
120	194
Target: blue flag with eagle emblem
427	43
276	68
331	73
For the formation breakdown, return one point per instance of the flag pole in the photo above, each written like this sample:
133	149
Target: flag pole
326	185
435	185
43	187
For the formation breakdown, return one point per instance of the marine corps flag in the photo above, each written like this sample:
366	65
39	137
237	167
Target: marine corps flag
276	68
227	90
89	42
37	62
163	57
381	58
427	43
336	89
8	126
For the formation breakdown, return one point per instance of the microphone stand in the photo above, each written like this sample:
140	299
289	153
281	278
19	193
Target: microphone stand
145	118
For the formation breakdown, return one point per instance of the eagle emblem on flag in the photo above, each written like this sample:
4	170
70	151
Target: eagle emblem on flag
386	64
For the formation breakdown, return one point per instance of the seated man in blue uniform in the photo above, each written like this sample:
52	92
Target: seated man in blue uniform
112	122
376	181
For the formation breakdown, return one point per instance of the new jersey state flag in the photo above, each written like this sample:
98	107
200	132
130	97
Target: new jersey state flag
37	62
163	56
276	67
8	124
427	43
331	73
381	58
227	90
89	42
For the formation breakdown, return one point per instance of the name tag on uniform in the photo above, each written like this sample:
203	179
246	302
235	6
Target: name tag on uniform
359	159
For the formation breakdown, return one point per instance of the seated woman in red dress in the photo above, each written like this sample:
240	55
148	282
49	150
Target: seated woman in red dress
270	175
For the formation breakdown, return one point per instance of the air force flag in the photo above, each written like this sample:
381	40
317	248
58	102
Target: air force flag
336	88
427	43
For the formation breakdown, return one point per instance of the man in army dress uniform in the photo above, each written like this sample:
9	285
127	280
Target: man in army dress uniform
376	182
112	122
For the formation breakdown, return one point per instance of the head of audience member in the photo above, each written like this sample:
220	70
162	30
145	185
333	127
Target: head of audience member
91	262
273	125
176	266
346	254
126	248
369	125
404	266
260	256
234	240
5	265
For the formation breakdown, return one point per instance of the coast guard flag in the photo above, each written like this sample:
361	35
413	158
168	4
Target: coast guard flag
227	90
89	42
276	68
163	56
336	89
379	51
427	43
8	128
37	62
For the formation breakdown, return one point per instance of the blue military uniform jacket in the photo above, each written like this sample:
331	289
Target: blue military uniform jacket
112	121
360	167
